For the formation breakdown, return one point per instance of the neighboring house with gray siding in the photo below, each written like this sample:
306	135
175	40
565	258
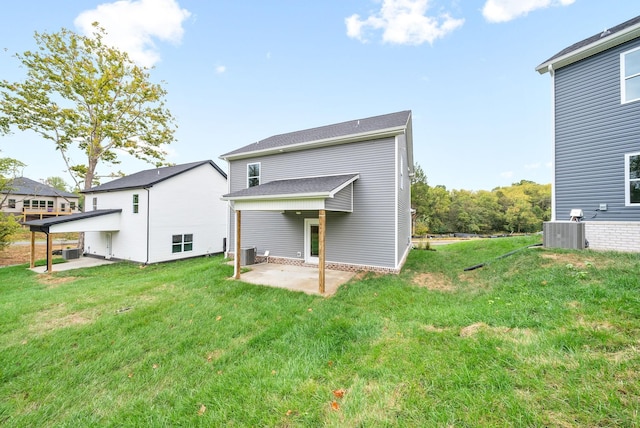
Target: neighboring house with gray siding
596	149
354	176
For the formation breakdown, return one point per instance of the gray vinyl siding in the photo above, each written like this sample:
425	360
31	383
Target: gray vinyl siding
366	236
404	201
342	200
593	131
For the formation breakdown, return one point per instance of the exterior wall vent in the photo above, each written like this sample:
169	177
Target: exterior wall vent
564	234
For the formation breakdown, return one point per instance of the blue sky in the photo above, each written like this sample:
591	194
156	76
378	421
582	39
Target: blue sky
240	71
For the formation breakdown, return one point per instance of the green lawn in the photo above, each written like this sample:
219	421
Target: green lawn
540	338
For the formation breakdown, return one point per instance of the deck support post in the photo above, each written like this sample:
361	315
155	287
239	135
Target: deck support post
49	251
236	257
32	258
322	222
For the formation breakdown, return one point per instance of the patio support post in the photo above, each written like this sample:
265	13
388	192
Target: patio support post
236	256
322	222
32	259
49	251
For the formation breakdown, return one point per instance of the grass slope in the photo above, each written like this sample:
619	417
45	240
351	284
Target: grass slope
540	338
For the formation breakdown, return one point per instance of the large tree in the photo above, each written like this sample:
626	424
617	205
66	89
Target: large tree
81	93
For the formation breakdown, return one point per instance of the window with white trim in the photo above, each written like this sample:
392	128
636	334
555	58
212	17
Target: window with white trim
135	203
253	174
95	204
12	203
180	243
632	178
630	75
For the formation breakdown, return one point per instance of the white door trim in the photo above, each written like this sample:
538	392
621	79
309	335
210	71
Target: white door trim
308	222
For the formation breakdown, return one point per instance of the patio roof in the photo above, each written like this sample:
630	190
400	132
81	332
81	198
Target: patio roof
306	193
97	220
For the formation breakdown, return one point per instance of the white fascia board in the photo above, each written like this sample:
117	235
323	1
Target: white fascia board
339	188
320	195
351	138
592	49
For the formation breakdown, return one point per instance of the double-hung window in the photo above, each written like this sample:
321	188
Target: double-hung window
253	174
630	75
632	178
180	243
95	204
12	203
135	204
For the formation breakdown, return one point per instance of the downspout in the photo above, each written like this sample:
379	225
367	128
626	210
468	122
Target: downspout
148	211
552	73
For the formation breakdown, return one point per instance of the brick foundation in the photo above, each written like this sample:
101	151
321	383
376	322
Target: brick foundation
613	235
346	267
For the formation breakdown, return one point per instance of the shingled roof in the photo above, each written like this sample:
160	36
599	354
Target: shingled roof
149	177
392	122
597	43
296	187
26	186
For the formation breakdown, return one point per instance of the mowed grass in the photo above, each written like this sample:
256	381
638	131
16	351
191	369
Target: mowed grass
539	338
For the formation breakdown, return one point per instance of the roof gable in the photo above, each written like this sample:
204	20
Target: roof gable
26	186
358	128
595	44
149	177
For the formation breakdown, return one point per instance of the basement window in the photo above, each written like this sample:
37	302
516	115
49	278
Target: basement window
180	243
630	75
632	178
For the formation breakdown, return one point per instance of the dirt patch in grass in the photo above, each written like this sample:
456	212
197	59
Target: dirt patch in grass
433	282
577	260
523	336
52	281
56	317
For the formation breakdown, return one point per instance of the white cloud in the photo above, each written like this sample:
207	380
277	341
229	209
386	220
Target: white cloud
221	69
132	26
532	165
403	22
506	174
507	10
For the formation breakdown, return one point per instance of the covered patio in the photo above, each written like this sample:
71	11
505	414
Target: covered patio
321	194
97	220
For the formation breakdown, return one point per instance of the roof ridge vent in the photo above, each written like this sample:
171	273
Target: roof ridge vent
605	33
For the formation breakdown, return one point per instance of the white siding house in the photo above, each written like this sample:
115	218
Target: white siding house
152	216
167	214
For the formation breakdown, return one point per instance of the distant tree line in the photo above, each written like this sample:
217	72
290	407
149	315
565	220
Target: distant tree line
519	208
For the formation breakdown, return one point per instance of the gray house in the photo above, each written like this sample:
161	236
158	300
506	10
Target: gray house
596	149
337	196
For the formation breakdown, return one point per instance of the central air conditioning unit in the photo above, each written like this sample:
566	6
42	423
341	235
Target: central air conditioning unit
71	253
247	256
563	234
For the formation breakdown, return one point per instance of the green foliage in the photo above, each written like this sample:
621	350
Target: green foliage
57	183
81	93
519	208
8	226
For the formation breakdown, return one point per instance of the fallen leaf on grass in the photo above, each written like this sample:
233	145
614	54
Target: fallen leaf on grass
130	375
155	366
291	412
203	409
335	405
339	393
218	318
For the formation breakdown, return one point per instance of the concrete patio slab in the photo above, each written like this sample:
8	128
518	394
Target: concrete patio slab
82	262
295	278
